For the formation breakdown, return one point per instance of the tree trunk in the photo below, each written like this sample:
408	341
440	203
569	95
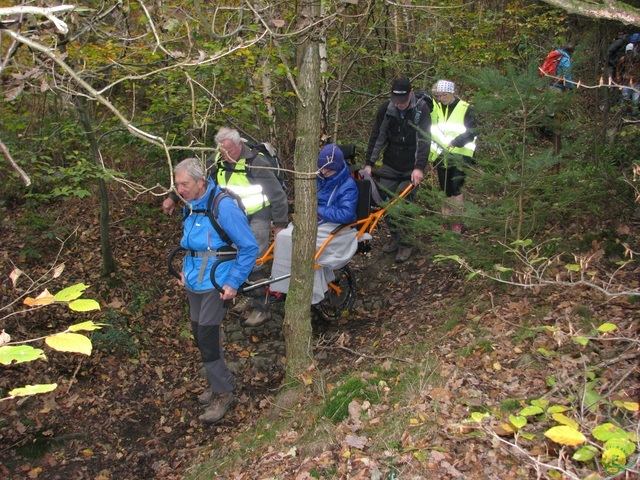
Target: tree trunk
297	322
108	262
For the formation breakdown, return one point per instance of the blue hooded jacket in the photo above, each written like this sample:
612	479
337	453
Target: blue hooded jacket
337	197
563	70
200	236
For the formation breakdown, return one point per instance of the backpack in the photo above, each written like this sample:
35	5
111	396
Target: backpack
271	154
212	211
550	64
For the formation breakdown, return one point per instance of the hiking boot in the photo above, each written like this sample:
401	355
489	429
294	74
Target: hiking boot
205	397
243	305
220	403
403	254
456	227
391	246
257	318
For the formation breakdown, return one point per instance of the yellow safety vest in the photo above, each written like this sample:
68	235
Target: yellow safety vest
443	131
251	194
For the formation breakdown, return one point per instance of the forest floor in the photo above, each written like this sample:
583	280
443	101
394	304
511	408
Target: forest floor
434	347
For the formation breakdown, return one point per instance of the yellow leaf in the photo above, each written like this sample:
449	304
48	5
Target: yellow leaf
87	452
631	406
45	298
607	327
565	435
71	293
70	342
88	326
84	305
564	420
497	366
613	460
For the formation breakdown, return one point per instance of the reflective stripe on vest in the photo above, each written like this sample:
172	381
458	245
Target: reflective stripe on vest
251	194
444	131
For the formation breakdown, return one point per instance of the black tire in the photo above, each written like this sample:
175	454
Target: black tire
334	305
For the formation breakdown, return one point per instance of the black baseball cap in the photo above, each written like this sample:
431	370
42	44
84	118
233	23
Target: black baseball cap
400	90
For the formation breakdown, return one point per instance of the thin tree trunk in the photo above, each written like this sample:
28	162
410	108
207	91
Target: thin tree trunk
108	262
297	322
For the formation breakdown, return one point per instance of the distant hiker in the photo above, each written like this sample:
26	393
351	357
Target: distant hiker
263	197
562	79
616	51
337	199
628	72
207	310
454	130
401	134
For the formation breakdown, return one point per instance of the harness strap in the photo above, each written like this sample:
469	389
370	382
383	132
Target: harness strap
203	266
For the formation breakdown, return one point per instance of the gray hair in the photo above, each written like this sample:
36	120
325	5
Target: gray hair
193	166
226	133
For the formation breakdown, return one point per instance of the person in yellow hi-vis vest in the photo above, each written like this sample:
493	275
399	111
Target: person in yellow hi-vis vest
453	143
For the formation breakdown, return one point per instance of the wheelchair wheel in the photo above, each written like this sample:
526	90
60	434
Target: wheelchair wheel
340	296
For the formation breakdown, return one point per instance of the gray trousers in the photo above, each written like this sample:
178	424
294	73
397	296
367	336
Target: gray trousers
207	313
395	182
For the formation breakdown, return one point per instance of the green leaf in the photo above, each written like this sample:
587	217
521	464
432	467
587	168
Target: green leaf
607	327
550	381
607	431
33	389
546	352
581	340
86	326
592	398
529	411
500	268
19	354
565	435
622	444
70	293
84	305
517	421
540	402
70	342
572	267
479	416
528	436
585	454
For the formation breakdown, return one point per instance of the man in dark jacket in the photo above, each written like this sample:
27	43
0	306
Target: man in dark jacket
401	133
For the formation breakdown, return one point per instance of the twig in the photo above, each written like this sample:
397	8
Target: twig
364	355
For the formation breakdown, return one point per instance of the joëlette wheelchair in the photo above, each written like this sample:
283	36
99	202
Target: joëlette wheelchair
341	294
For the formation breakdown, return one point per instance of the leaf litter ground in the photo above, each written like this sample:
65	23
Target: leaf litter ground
131	413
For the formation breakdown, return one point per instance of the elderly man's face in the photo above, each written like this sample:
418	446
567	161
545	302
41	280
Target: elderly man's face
188	187
230	151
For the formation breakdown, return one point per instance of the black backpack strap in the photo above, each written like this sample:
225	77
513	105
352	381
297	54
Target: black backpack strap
212	213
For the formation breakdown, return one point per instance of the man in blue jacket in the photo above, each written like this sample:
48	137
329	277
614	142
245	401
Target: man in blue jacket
202	242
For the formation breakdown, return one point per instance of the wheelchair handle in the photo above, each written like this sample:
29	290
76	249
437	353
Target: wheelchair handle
172	254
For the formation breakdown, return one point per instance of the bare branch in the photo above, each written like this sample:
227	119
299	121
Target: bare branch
610	10
23	175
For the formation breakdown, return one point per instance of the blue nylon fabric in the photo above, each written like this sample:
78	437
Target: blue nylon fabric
199	235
